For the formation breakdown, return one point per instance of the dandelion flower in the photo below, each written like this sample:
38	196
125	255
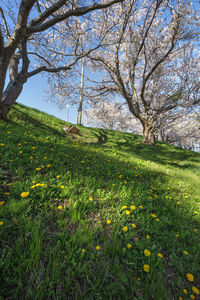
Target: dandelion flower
123	207
147	252
25	194
128	212
186	252
146	268
62	186
195	230
125	228
185	291
98	248
192	296
153	215
157	219
178	202
196	212
91	198
83	250
177	235
133	225
108	222
58	176
1	223
133	207
129	246
48	166
2	202
190	277
180	298
160	255
38	169
195	290
147	236
60	207
141	206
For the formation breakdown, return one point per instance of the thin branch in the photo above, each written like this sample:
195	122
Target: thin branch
4	22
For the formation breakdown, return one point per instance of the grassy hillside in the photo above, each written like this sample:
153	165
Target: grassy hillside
95	216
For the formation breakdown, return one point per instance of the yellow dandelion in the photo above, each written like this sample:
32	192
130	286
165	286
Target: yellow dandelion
129	246
157	219
185	252
91	198
196	212
190	277
133	225
180	298
48	166
146	268
25	194
147	252
192	296
83	250
1	223
58	176
60	207
125	228
82	161
148	237
153	215
2	202
38	169
2	145
177	235
195	290
185	291
98	248
128	212
62	186
178	202
160	255
141	206
133	207
195	230
123	207
108	222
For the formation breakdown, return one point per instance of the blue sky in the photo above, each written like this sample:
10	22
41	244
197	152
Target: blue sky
33	95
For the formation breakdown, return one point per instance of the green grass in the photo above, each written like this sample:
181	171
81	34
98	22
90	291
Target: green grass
91	177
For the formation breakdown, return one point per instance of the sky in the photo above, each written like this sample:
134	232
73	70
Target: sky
33	95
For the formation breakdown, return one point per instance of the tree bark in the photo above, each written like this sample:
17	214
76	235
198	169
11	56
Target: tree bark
148	134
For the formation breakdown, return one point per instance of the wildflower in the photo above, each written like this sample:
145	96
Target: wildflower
7	193
141	206
195	290
180	298
48	166
125	228
108	222
128	212
178	202
2	144
185	291
62	186
82	161
177	235
123	207
146	268
192	296
60	207
138	278
1	223
129	246
186	252
196	212
133	207
91	198
160	255
83	250
157	219
98	248
2	202
133	225
153	215
58	176
190	277
147	252
38	169
25	194
195	230
147	236
20	152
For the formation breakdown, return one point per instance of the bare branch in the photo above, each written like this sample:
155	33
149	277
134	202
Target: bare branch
4	22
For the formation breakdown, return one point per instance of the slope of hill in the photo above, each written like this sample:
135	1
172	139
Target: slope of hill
95	216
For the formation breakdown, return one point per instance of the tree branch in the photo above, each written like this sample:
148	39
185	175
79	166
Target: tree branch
4	22
35	25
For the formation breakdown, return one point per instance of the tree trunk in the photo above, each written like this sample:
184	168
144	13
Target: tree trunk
10	96
148	134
